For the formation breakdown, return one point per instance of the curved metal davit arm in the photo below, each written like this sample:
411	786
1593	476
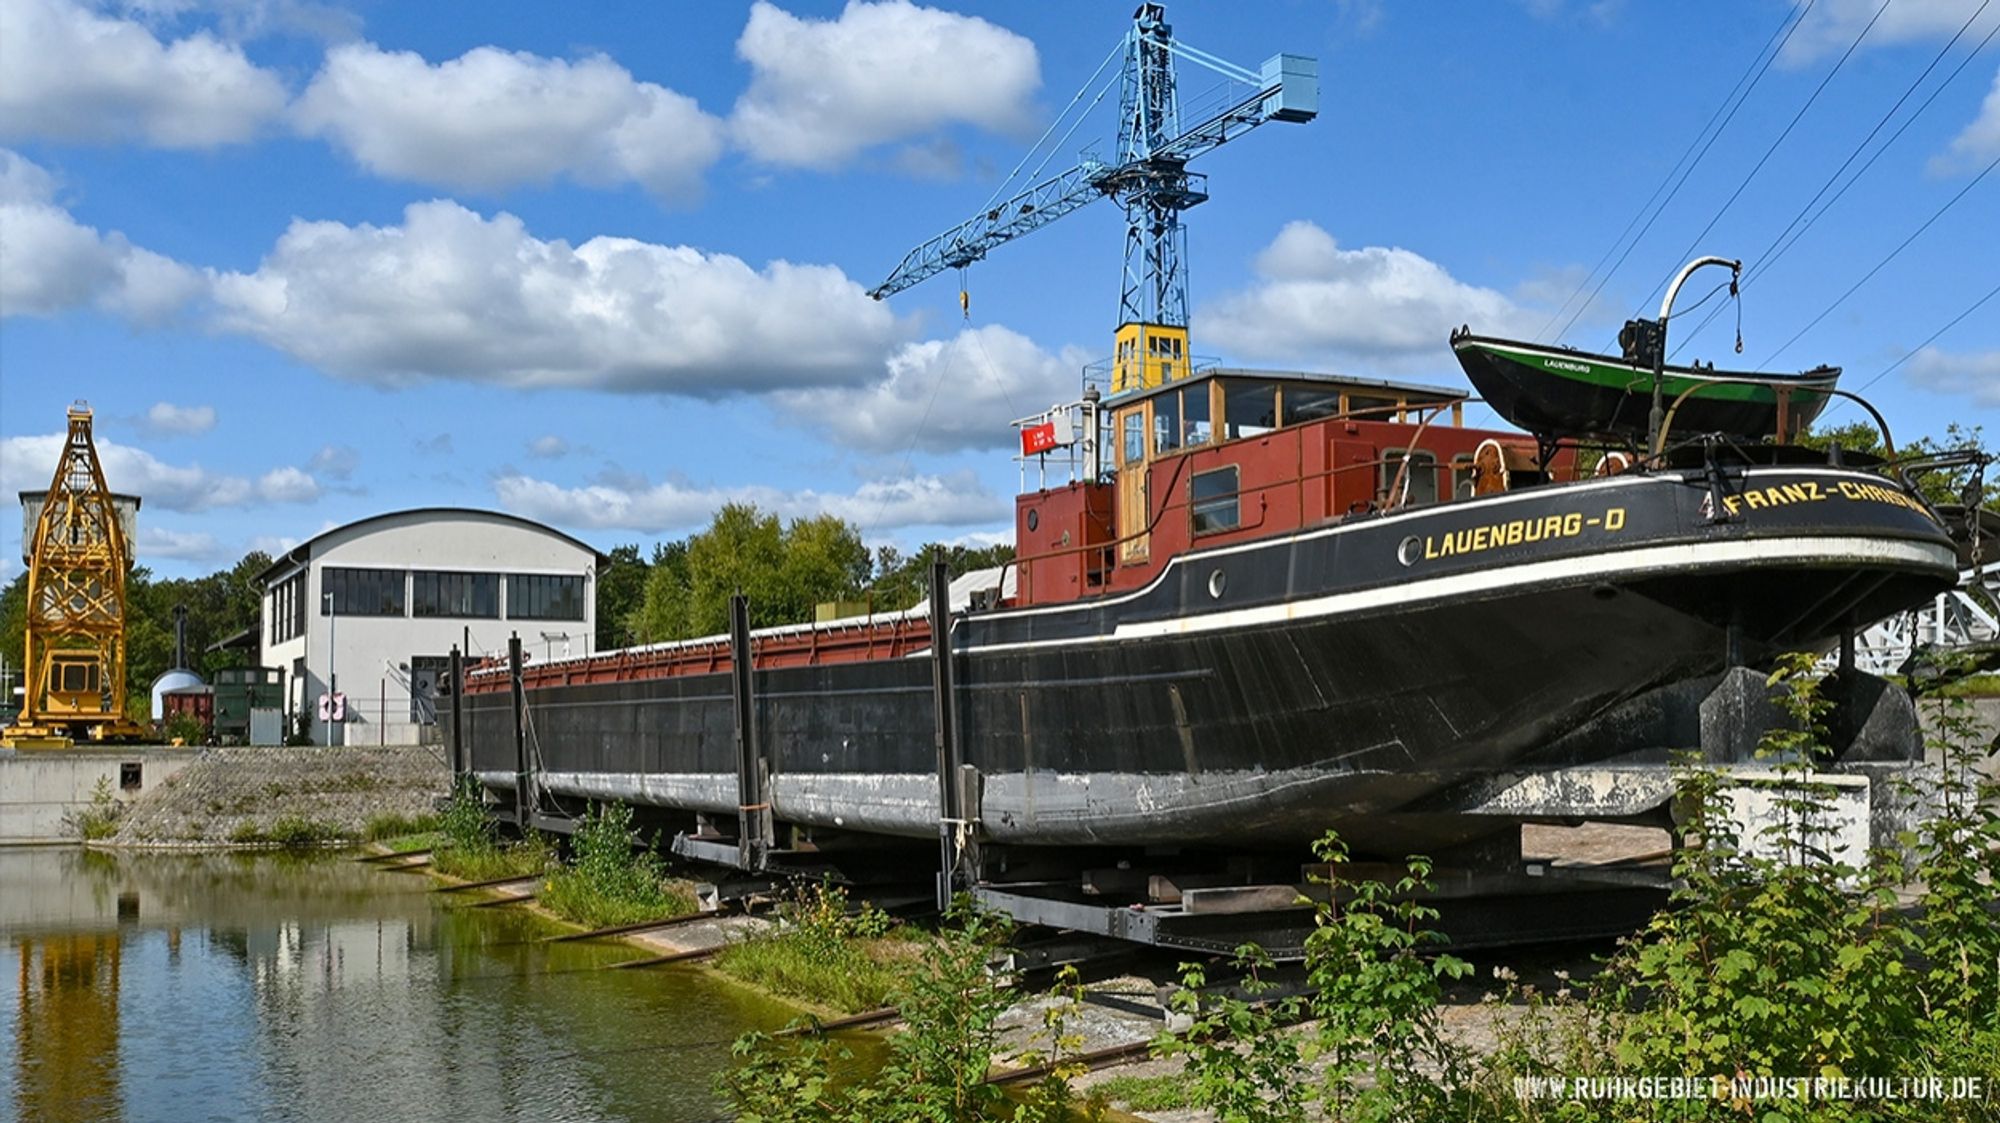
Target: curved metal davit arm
1660	442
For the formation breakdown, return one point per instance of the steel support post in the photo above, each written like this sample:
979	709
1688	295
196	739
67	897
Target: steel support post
951	816
753	800
459	764
524	801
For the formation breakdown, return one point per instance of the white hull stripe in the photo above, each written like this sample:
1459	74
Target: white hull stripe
1819	551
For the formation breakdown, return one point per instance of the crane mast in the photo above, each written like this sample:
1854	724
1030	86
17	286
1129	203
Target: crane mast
73	651
1150	180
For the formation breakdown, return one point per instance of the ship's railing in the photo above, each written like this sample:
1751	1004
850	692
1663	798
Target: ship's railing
877	636
1784	394
1955	619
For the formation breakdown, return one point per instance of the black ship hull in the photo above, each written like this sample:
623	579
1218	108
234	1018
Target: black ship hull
1261	694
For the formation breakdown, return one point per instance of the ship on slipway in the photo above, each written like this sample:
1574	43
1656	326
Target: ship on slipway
1252	606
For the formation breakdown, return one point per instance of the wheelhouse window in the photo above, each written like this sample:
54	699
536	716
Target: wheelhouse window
1305	401
1249	409
1167	421
1195	427
1132	446
362	592
436	593
1421	483
544	596
1212	501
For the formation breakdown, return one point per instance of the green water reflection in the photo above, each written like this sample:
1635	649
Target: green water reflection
232	987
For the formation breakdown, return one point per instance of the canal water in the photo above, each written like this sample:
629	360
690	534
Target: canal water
227	987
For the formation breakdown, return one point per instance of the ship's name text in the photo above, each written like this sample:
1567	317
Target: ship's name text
1809	491
1519	531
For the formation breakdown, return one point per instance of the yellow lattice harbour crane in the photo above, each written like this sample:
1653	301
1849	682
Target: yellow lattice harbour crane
74	650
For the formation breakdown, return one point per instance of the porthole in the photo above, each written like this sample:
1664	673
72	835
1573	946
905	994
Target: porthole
1217	582
1034	518
1411	549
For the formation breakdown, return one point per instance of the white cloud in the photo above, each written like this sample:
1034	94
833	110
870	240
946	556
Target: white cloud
1374	307
450	294
70	74
823	90
636	504
158	542
492	119
287	485
1830	26
27	464
1979	144
274	544
944	395
334	461
168	419
1975	375
54	263
548	448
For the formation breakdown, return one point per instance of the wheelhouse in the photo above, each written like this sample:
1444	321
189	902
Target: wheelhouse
1220	455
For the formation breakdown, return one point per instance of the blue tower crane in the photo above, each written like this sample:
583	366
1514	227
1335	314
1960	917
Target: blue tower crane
1150	179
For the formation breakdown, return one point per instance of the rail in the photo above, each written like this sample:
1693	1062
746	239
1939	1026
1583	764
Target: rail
1784	398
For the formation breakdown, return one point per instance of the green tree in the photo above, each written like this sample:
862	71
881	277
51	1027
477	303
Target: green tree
1938	487
621	590
784	568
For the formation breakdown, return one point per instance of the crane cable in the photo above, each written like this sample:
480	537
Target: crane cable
1765	259
1842	299
1769	151
1759	64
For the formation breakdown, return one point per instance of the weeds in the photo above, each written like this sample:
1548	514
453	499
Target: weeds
609	883
99	820
469	848
937	1067
383	827
292	832
822	952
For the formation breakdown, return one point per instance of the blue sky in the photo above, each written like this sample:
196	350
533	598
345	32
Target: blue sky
603	264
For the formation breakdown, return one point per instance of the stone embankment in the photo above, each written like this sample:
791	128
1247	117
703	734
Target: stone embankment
238	795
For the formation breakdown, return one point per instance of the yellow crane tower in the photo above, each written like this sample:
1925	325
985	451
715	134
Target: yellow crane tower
74	650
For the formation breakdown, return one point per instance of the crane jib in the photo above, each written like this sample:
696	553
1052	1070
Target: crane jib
1150	180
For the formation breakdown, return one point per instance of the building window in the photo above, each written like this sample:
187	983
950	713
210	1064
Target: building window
544	596
362	592
434	593
1422	485
1212	501
288	608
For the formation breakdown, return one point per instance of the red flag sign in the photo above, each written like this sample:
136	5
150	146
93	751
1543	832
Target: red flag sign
1038	438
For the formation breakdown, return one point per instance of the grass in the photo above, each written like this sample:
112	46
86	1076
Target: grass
1166	1091
408	843
293	832
572	897
826	955
862	979
486	863
381	828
